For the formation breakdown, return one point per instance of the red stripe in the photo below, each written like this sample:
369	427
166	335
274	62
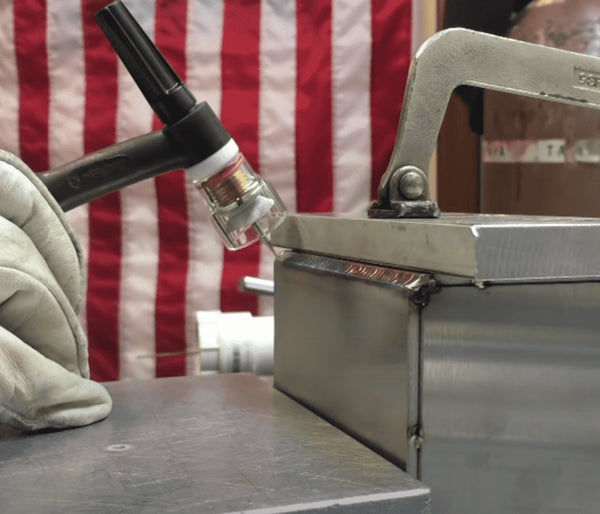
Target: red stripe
239	113
34	90
314	161
104	264
390	60
173	239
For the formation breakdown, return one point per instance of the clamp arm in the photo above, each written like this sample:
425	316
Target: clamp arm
455	57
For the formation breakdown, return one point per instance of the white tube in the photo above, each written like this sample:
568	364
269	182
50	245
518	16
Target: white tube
235	342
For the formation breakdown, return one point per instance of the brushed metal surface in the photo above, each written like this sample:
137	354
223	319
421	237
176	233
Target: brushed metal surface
483	248
511	398
215	444
347	346
502	381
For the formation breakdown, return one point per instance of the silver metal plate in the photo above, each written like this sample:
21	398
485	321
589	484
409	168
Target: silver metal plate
347	347
483	248
511	394
212	445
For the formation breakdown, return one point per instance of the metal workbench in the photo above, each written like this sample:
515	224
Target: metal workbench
222	443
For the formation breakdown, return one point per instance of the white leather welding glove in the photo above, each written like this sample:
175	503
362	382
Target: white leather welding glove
44	371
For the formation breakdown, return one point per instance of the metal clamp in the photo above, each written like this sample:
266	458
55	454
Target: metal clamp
456	57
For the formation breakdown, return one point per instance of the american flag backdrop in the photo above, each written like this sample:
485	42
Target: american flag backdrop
311	91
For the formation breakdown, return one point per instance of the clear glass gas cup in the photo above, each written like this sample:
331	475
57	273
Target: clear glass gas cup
244	206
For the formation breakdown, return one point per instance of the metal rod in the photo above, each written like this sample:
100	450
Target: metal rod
257	286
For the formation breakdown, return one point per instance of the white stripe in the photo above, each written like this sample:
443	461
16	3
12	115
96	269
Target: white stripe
139	258
67	81
351	63
9	82
66	72
277	106
204	40
203	77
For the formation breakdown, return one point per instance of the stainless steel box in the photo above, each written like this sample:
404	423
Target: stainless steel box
464	349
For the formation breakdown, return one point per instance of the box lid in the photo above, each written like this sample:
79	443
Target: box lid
481	247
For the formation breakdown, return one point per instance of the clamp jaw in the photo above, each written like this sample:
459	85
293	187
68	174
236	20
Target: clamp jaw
456	57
